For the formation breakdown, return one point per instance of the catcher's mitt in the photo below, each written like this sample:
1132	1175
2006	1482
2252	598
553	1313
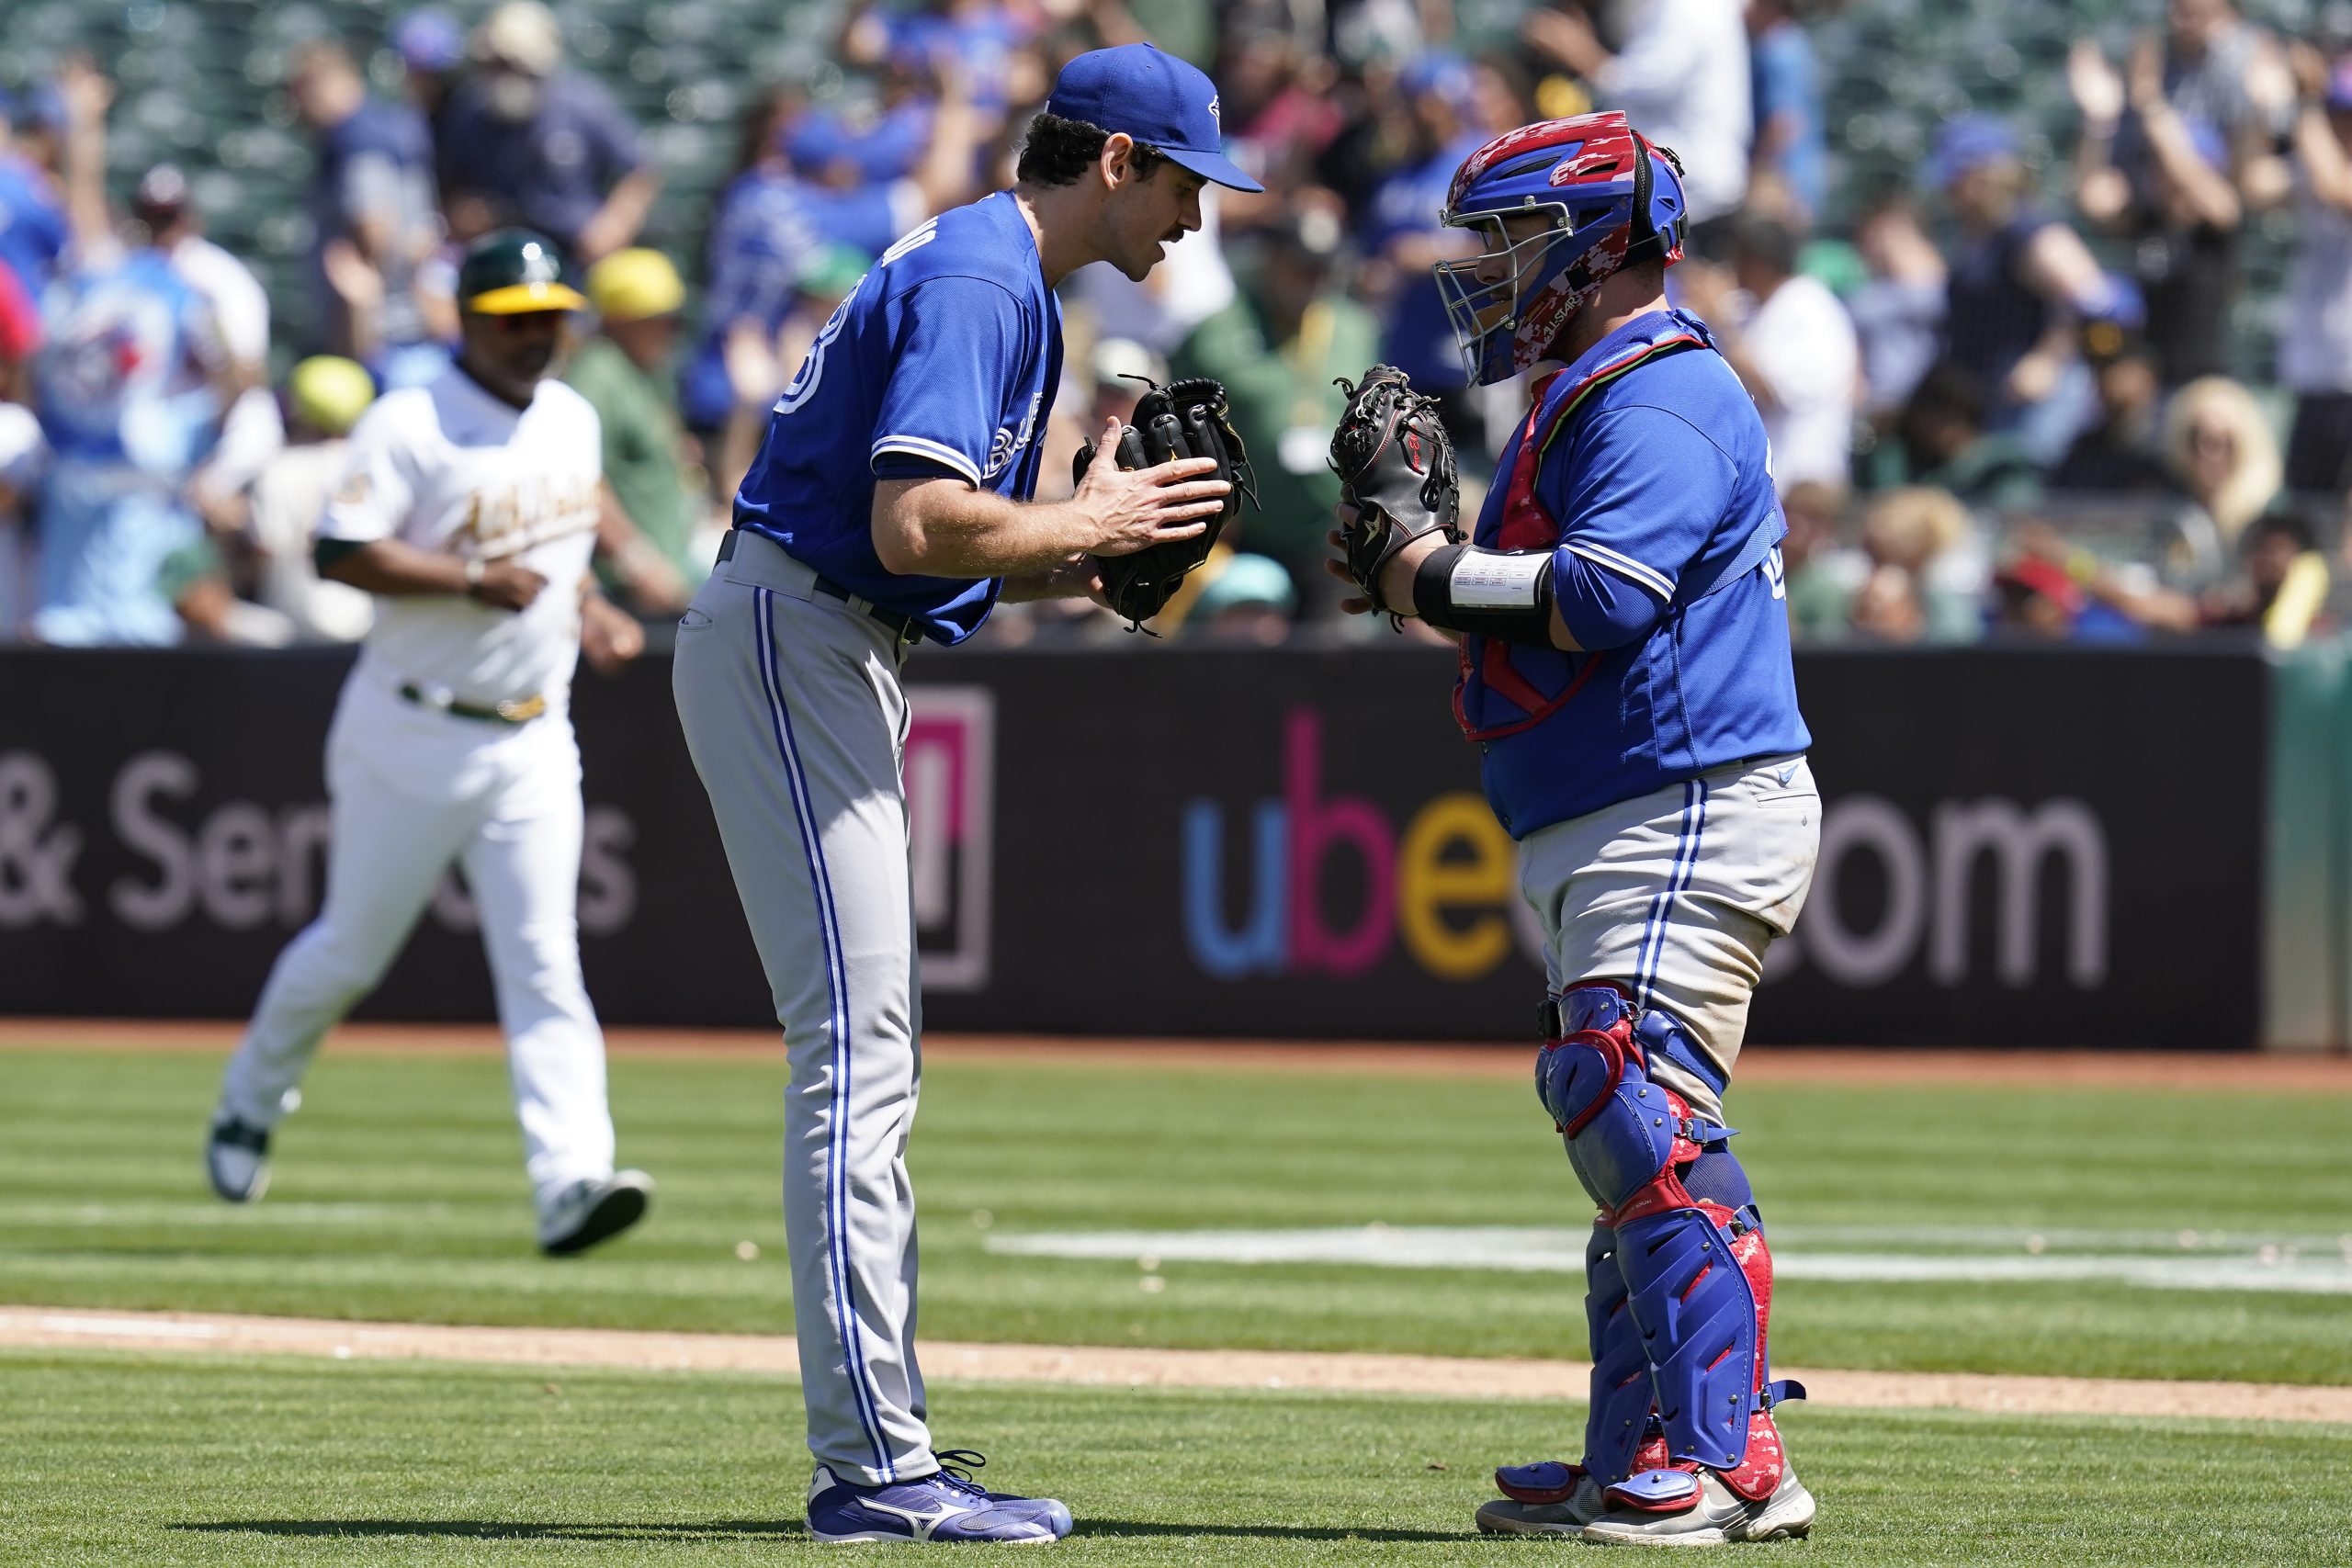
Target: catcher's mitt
1396	467
1183	419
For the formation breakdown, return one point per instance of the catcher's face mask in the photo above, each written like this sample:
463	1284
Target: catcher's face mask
1563	204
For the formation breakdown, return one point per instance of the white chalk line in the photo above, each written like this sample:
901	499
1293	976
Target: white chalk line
2308	1265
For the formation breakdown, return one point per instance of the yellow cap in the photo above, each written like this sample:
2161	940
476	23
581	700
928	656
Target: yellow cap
329	393
631	285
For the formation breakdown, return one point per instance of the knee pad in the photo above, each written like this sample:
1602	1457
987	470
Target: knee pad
1624	1131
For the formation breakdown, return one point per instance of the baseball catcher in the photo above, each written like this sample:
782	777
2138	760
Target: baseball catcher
1625	675
1184	419
1396	467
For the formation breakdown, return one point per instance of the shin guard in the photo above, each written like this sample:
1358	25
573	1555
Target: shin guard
1697	1316
1689	1276
1618	1420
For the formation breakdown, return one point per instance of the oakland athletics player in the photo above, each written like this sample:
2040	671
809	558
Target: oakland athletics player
887	506
469	509
1625	675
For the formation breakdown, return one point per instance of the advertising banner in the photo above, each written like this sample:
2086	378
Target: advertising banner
2019	847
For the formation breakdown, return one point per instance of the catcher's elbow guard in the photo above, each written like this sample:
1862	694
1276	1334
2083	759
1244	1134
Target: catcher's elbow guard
1505	595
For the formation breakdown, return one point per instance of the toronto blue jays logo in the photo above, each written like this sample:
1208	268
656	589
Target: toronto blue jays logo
1007	444
1216	114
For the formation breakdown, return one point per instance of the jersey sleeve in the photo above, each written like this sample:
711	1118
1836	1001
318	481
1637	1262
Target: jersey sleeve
377	488
957	344
1637	499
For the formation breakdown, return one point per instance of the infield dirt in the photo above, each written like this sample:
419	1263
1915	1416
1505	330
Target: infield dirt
2300	1072
1441	1376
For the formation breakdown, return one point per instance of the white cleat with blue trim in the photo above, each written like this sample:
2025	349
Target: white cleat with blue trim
945	1507
1550	1498
1694	1507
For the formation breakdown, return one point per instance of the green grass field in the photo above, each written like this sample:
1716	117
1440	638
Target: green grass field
399	1196
142	1461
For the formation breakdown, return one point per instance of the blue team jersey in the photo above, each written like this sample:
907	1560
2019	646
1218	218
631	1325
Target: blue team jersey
1420	340
108	379
1667	567
942	360
32	222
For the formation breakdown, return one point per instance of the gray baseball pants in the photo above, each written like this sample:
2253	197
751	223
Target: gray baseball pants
796	721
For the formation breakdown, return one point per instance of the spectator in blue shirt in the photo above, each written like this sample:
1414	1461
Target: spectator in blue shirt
431	47
372	217
548	144
1401	226
32	203
981	38
808	183
1791	149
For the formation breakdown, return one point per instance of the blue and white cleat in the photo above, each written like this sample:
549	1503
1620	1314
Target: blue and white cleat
1691	1507
948	1506
1550	1498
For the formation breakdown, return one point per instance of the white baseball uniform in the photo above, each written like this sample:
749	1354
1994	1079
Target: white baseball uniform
415	782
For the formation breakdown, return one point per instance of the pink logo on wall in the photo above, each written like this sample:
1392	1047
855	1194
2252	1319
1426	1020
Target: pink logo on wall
950	771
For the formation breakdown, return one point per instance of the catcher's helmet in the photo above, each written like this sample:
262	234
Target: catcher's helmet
1610	196
511	272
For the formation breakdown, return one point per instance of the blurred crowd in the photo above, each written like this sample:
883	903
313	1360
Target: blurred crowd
1996	389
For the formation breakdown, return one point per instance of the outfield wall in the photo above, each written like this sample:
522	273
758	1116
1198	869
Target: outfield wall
2022	847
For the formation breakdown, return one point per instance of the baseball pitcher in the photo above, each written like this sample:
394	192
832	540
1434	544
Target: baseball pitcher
469	510
889	505
1625	675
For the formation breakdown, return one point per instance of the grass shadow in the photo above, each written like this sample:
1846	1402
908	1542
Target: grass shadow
752	1529
506	1529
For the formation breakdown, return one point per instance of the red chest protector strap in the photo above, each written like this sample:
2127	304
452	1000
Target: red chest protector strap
1525	526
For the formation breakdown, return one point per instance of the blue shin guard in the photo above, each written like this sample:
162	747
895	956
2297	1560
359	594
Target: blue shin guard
1618	1420
1697	1316
1666	1292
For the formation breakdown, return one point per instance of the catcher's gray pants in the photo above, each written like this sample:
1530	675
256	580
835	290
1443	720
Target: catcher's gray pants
792	711
1677	895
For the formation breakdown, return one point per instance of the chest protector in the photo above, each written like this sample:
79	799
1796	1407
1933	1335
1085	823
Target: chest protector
1505	688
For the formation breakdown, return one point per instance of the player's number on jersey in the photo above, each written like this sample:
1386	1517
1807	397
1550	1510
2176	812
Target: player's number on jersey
803	385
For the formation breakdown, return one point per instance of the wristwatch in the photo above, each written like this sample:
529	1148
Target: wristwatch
475	567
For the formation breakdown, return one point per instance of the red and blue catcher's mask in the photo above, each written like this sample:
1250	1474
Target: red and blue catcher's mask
1605	196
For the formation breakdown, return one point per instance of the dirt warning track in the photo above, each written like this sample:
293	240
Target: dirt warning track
78	1329
2293	1072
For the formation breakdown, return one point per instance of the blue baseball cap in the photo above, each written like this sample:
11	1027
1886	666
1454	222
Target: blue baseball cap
45	109
1157	99
1442	73
429	40
1970	142
885	151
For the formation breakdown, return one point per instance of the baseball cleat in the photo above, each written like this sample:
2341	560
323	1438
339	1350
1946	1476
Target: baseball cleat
236	1156
593	1210
1550	1498
945	1507
1694	1507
